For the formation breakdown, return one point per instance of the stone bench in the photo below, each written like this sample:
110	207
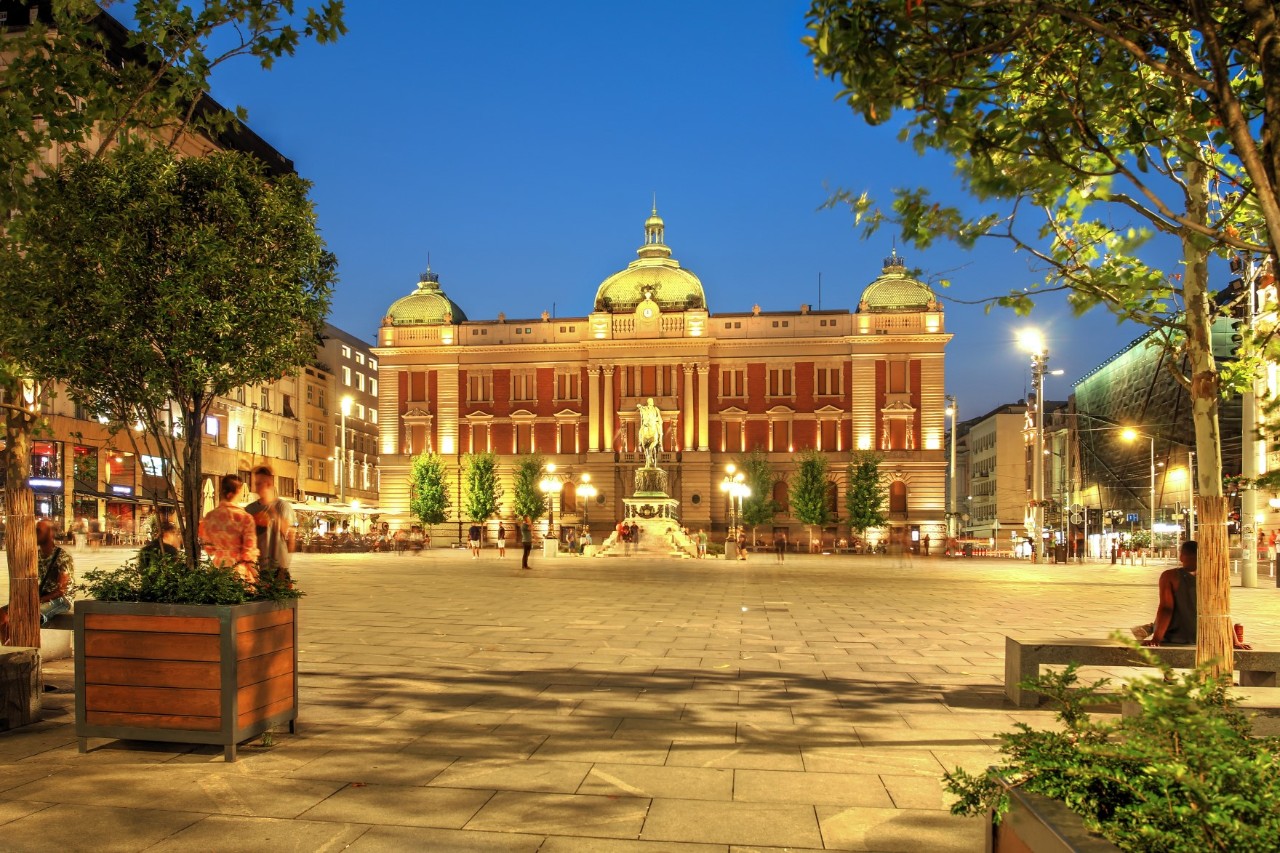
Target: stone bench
1260	704
56	636
1024	657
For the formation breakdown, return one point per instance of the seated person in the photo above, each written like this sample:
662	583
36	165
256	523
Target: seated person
55	572
167	544
1176	615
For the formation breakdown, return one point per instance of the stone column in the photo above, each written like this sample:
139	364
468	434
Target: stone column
608	407
593	409
704	407
688	408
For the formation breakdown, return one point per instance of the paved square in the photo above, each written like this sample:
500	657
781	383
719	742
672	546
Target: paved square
624	705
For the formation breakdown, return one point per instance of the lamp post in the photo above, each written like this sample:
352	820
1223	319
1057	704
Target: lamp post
586	491
344	406
734	486
953	410
549	485
1131	434
1032	341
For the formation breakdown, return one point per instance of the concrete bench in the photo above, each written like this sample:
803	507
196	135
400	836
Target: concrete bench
1024	657
56	636
1260	704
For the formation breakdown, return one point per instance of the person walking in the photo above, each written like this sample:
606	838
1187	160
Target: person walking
526	540
702	543
473	538
742	546
780	546
273	522
502	540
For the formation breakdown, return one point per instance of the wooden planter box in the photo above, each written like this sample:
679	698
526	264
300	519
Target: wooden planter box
1037	824
185	673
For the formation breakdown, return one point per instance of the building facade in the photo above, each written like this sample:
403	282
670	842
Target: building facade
726	383
995	462
354	371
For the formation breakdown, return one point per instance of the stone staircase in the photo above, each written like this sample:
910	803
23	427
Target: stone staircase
659	537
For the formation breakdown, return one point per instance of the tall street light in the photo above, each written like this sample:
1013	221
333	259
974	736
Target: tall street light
1033	342
1131	434
735	487
953	411
586	492
344	406
549	485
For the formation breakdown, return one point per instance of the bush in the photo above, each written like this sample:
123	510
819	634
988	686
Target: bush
166	579
1183	775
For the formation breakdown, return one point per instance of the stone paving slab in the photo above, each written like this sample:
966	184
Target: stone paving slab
598	707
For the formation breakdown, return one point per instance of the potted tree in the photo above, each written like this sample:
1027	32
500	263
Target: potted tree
167	652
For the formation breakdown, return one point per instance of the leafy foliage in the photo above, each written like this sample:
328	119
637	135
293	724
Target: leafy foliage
809	494
865	498
150	284
482	492
758	507
428	489
1183	776
529	499
167	579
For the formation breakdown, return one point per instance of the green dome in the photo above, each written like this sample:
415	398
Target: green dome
427	305
655	274
895	292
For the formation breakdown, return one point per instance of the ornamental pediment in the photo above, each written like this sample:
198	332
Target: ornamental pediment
479	416
523	414
416	412
781	410
733	410
829	410
567	413
899	407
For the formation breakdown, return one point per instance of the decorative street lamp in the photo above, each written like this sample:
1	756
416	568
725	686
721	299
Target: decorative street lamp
1131	434
1033	342
735	487
586	493
344	406
549	485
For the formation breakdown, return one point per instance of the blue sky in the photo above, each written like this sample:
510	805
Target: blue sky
520	145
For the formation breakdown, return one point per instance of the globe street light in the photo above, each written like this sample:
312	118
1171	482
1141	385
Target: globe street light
549	485
344	406
735	487
586	492
1131	434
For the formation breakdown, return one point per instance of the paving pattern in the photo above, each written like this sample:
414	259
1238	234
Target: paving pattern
601	706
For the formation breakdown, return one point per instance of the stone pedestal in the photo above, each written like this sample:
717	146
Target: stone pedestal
21	687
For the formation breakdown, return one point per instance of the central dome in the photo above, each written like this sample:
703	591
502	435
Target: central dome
655	275
427	305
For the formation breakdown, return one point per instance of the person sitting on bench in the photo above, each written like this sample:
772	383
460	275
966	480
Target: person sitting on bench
1176	615
56	571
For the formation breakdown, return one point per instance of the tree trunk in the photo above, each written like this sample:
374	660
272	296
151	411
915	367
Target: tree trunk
20	536
192	479
1213	579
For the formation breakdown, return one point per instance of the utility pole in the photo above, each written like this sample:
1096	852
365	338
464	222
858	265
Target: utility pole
1249	468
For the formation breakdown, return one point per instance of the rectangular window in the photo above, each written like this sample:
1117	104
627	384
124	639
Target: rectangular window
359	358
287	407
264	401
568	439
346	351
733	383
239	445
311	432
360	411
733	437
524	386
828	382
781	435
373	364
320	434
480	438
524	438
346	376
373	416
567	385
311	393
373	386
320	401
263	444
360	381
828	435
780	382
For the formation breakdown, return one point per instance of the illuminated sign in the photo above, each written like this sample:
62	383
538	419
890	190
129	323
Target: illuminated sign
44	483
122	490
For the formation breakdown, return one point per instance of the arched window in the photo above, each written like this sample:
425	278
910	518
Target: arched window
897	496
782	496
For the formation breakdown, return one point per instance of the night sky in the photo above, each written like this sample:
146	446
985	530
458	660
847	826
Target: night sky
521	145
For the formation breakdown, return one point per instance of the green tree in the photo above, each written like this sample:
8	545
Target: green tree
75	80
810	502
482	492
1087	129
151	284
529	499
758	507
429	489
865	498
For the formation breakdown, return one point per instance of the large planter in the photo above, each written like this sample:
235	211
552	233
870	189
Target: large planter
1037	824
185	673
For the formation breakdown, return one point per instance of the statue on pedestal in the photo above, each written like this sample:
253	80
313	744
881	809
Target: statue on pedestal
649	435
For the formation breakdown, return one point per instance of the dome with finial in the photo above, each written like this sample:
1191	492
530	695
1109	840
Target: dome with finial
655	274
895	292
427	305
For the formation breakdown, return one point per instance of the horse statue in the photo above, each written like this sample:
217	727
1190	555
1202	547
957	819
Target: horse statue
649	435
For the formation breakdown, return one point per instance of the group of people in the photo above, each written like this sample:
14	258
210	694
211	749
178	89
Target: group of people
253	539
